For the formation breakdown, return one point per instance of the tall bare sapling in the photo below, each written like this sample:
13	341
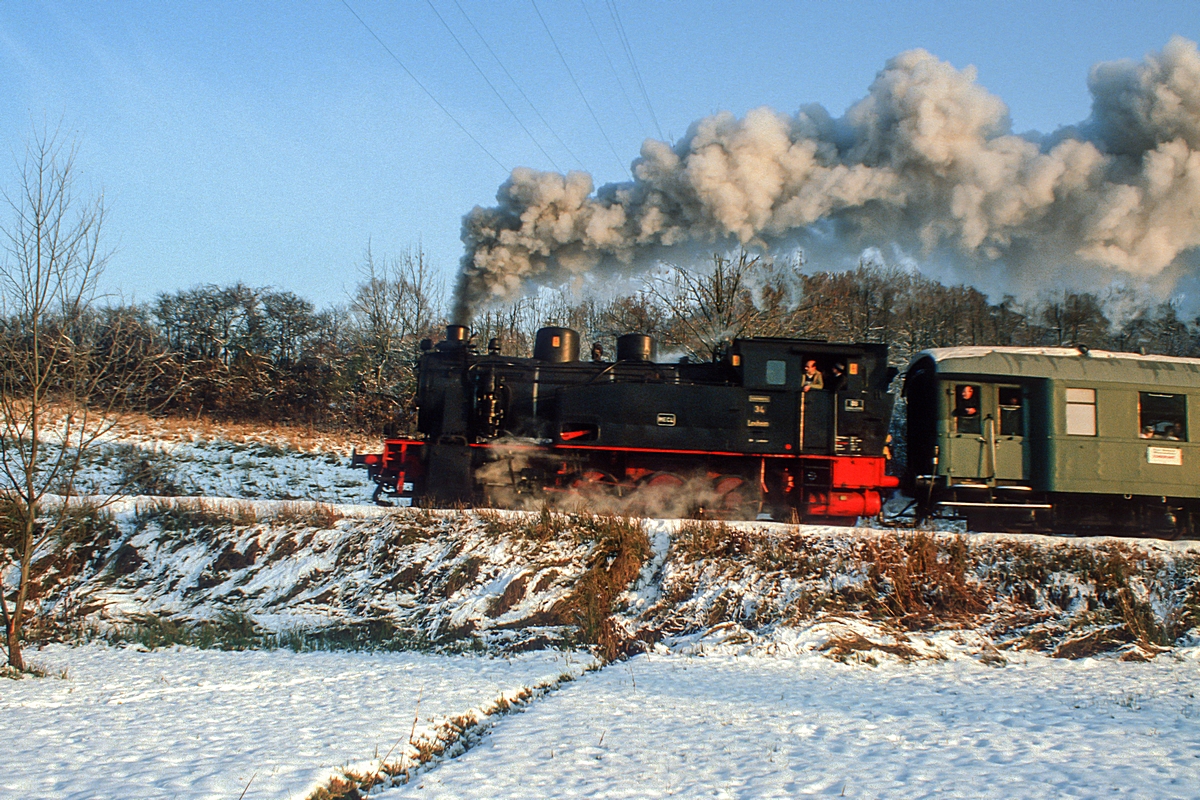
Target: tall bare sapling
63	365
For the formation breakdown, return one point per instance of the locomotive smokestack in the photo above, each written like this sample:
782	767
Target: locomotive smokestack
925	164
456	334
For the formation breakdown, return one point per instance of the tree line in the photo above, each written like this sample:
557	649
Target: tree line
258	354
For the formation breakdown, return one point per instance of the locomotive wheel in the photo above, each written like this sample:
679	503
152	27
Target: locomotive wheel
658	495
663	480
737	498
595	483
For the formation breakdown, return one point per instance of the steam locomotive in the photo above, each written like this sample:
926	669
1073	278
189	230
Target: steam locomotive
770	428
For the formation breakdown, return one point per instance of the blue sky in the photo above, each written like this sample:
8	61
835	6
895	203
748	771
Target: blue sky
268	143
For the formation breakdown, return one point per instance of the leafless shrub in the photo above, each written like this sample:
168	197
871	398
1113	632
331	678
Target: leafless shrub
65	365
919	583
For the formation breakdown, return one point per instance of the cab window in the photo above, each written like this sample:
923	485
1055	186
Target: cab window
776	373
1162	416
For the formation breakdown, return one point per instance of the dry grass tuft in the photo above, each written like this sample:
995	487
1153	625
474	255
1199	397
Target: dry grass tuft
920	584
185	514
847	646
310	515
621	547
698	539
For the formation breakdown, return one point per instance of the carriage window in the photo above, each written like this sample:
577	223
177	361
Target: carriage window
1012	421
1081	412
966	408
776	373
1162	416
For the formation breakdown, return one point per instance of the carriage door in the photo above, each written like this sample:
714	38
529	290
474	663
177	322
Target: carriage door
967	456
987	431
1010	456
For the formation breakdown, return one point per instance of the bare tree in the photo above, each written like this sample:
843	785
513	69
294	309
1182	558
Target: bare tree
713	306
397	303
55	391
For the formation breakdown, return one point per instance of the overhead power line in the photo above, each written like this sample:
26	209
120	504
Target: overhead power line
611	66
637	73
563	59
549	127
491	86
428	93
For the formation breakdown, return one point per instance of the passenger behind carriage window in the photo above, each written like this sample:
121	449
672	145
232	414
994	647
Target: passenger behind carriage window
1162	416
1012	421
966	408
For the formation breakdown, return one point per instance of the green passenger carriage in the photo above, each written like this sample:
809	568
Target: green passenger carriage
1055	439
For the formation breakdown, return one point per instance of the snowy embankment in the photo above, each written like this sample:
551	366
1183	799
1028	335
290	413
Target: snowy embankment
510	581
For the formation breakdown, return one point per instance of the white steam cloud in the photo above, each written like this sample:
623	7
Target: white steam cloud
926	161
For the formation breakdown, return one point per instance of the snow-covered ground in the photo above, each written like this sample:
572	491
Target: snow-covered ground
144	455
192	724
186	723
784	660
725	726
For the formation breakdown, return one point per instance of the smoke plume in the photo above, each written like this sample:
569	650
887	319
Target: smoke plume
926	162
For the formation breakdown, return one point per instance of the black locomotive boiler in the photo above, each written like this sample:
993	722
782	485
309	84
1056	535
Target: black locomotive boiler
789	428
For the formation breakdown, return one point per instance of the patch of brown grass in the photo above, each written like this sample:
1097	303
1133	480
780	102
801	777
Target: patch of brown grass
513	593
304	438
189	513
699	539
850	645
620	548
464	572
1090	643
920	584
310	515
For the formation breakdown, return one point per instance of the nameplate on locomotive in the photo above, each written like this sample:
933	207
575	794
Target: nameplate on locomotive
666	420
854	404
1172	456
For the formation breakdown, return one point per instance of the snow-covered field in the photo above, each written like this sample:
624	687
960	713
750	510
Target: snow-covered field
187	723
192	724
671	726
